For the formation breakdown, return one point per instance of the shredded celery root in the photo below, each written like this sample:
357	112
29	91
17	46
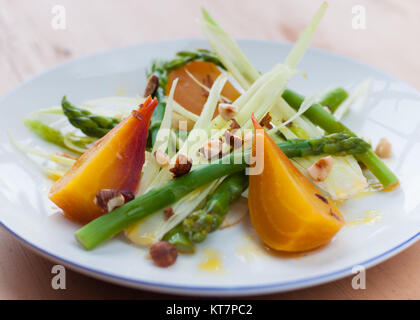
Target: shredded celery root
247	76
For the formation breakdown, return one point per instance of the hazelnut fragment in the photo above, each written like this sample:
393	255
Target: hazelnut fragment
168	212
182	166
227	111
110	199
234	125
151	86
384	149
266	121
162	158
232	139
163	254
320	170
211	149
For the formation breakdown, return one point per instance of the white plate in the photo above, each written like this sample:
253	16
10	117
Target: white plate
392	110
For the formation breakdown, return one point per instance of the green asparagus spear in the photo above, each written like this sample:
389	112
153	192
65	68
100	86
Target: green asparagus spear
162	68
90	124
45	132
112	223
321	117
334	98
180	239
209	219
157	118
333	144
106	226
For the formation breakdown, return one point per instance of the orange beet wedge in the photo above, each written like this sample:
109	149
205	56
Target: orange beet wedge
188	93
287	211
114	162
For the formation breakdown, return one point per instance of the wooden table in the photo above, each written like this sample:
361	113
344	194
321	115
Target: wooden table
29	45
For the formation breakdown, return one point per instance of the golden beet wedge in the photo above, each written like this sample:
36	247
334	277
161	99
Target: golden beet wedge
191	95
287	211
114	162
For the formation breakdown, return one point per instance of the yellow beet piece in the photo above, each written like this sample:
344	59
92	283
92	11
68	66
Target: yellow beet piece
114	162
287	211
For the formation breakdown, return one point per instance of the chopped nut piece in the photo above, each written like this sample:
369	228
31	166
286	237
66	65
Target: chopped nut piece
289	124
182	166
128	196
227	111
234	125
266	121
320	170
151	86
162	158
211	149
248	140
110	199
168	212
232	139
384	149
163	254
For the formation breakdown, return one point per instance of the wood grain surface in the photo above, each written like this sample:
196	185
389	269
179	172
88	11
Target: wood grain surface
29	45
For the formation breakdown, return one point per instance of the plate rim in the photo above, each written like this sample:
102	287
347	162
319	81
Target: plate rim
237	290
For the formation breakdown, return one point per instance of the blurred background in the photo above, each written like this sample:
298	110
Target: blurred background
29	44
32	39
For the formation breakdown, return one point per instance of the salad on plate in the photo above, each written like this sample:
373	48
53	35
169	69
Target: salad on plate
209	132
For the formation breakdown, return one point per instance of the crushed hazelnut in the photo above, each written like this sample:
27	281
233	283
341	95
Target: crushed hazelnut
151	86
232	139
227	111
163	254
320	170
384	149
266	121
162	158
167	213
234	125
248	136
211	149
182	166
110	199
289	124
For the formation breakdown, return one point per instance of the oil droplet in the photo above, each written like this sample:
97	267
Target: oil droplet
371	217
250	249
212	261
121	92
364	194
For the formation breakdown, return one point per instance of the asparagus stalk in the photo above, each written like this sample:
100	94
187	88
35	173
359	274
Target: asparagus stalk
334	98
162	68
209	219
157	199
45	132
157	118
196	226
321	117
90	124
106	226
180	239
